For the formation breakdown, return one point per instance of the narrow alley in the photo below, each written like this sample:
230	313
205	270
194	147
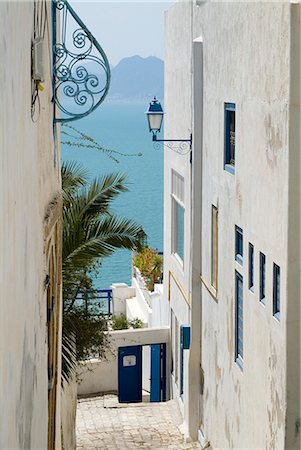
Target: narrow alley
103	423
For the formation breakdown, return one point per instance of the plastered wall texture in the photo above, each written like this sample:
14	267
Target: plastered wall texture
250	57
29	182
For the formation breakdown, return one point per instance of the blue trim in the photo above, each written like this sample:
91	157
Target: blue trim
251	267
239	319
262	277
239	246
276	291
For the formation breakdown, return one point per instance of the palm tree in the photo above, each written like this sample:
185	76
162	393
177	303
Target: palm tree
91	231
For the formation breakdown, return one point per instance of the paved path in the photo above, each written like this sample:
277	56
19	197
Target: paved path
103	423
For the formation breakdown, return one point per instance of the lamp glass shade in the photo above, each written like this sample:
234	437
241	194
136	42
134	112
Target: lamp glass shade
155	115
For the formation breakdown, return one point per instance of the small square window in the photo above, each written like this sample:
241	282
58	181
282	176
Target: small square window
262	277
229	150
238	245
276	291
251	267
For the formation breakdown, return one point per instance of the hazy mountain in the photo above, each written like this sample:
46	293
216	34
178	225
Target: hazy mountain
137	78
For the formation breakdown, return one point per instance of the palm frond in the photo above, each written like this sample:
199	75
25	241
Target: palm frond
101	238
96	199
69	360
74	176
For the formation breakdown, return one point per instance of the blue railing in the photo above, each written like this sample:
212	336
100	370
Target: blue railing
96	302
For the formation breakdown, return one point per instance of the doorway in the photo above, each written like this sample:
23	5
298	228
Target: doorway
132	380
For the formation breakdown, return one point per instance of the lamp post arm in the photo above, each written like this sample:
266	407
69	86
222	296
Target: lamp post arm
173	140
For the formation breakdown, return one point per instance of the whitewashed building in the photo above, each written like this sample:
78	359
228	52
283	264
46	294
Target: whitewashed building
232	220
30	235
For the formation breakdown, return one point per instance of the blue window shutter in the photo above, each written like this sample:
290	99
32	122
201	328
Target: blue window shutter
185	337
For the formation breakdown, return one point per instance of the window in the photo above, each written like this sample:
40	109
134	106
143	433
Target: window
214	246
276	291
230	137
178	230
251	267
178	215
239	319
238	245
262	277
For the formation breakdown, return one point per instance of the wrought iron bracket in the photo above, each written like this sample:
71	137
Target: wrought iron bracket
181	146
81	71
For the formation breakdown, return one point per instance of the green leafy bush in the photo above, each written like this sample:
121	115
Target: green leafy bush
121	323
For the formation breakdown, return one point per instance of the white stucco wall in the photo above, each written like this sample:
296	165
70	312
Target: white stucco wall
29	181
68	414
245	59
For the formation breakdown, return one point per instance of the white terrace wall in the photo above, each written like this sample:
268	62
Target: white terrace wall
29	187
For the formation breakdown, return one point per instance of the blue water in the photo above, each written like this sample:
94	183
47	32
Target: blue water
123	127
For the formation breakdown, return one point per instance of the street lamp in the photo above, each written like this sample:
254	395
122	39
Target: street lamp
154	116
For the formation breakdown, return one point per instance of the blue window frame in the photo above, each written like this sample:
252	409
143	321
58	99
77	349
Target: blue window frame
229	150
238	244
251	267
239	319
276	291
262	269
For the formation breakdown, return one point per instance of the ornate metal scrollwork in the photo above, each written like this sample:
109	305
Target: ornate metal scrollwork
81	71
181	147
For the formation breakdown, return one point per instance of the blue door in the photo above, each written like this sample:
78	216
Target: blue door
158	373
130	374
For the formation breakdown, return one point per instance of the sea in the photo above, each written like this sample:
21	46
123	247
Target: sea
122	126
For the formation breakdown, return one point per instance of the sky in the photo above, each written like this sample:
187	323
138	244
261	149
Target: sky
125	28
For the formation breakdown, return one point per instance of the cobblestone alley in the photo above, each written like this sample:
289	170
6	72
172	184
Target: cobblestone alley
103	423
